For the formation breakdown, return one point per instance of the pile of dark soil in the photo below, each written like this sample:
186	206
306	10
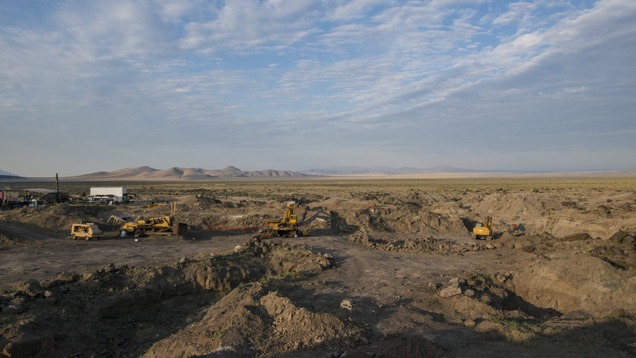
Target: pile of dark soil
619	250
122	311
57	218
254	321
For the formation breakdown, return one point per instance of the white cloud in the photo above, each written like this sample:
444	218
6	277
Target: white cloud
351	10
245	24
516	13
415	76
174	10
115	30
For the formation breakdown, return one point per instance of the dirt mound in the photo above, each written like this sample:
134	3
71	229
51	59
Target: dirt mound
479	297
427	245
619	250
203	211
499	307
408	218
569	282
57	218
254	321
6	241
121	310
510	206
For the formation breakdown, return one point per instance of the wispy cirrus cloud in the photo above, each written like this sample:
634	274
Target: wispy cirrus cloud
411	77
244	25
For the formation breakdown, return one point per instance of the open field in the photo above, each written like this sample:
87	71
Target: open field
558	280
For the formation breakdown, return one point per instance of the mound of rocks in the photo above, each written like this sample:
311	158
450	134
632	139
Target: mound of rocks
493	290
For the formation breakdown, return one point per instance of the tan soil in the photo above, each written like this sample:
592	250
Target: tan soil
559	282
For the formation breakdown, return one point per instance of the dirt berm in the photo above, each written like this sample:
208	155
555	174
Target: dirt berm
579	282
120	311
252	321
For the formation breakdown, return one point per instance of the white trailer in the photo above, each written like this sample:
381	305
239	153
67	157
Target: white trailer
116	194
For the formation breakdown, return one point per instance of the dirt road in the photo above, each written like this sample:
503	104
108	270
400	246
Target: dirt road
43	256
393	296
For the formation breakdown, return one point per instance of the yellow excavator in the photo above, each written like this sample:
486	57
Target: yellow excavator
164	225
283	228
483	229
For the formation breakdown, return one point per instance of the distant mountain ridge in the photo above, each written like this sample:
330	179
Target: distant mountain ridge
175	173
145	173
388	170
3	173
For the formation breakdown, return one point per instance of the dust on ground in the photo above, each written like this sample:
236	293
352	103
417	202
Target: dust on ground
390	269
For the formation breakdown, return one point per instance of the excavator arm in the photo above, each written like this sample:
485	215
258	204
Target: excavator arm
289	219
488	223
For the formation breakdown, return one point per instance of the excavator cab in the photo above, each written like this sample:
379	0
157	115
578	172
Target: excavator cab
483	229
289	219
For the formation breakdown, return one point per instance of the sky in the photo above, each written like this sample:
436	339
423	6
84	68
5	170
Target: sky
538	85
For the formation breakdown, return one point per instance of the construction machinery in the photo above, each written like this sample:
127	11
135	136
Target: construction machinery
283	228
483	230
85	231
115	220
164	225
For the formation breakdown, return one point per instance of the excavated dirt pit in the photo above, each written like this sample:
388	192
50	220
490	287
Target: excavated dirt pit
390	269
123	311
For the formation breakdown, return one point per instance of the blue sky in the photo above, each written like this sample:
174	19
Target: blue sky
295	85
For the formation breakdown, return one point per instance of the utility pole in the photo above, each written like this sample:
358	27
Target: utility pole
57	185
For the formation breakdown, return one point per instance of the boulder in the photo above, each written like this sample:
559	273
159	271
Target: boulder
33	288
450	292
621	237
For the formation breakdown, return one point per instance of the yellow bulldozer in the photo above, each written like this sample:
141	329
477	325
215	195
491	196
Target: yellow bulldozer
283	228
164	225
85	231
483	229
